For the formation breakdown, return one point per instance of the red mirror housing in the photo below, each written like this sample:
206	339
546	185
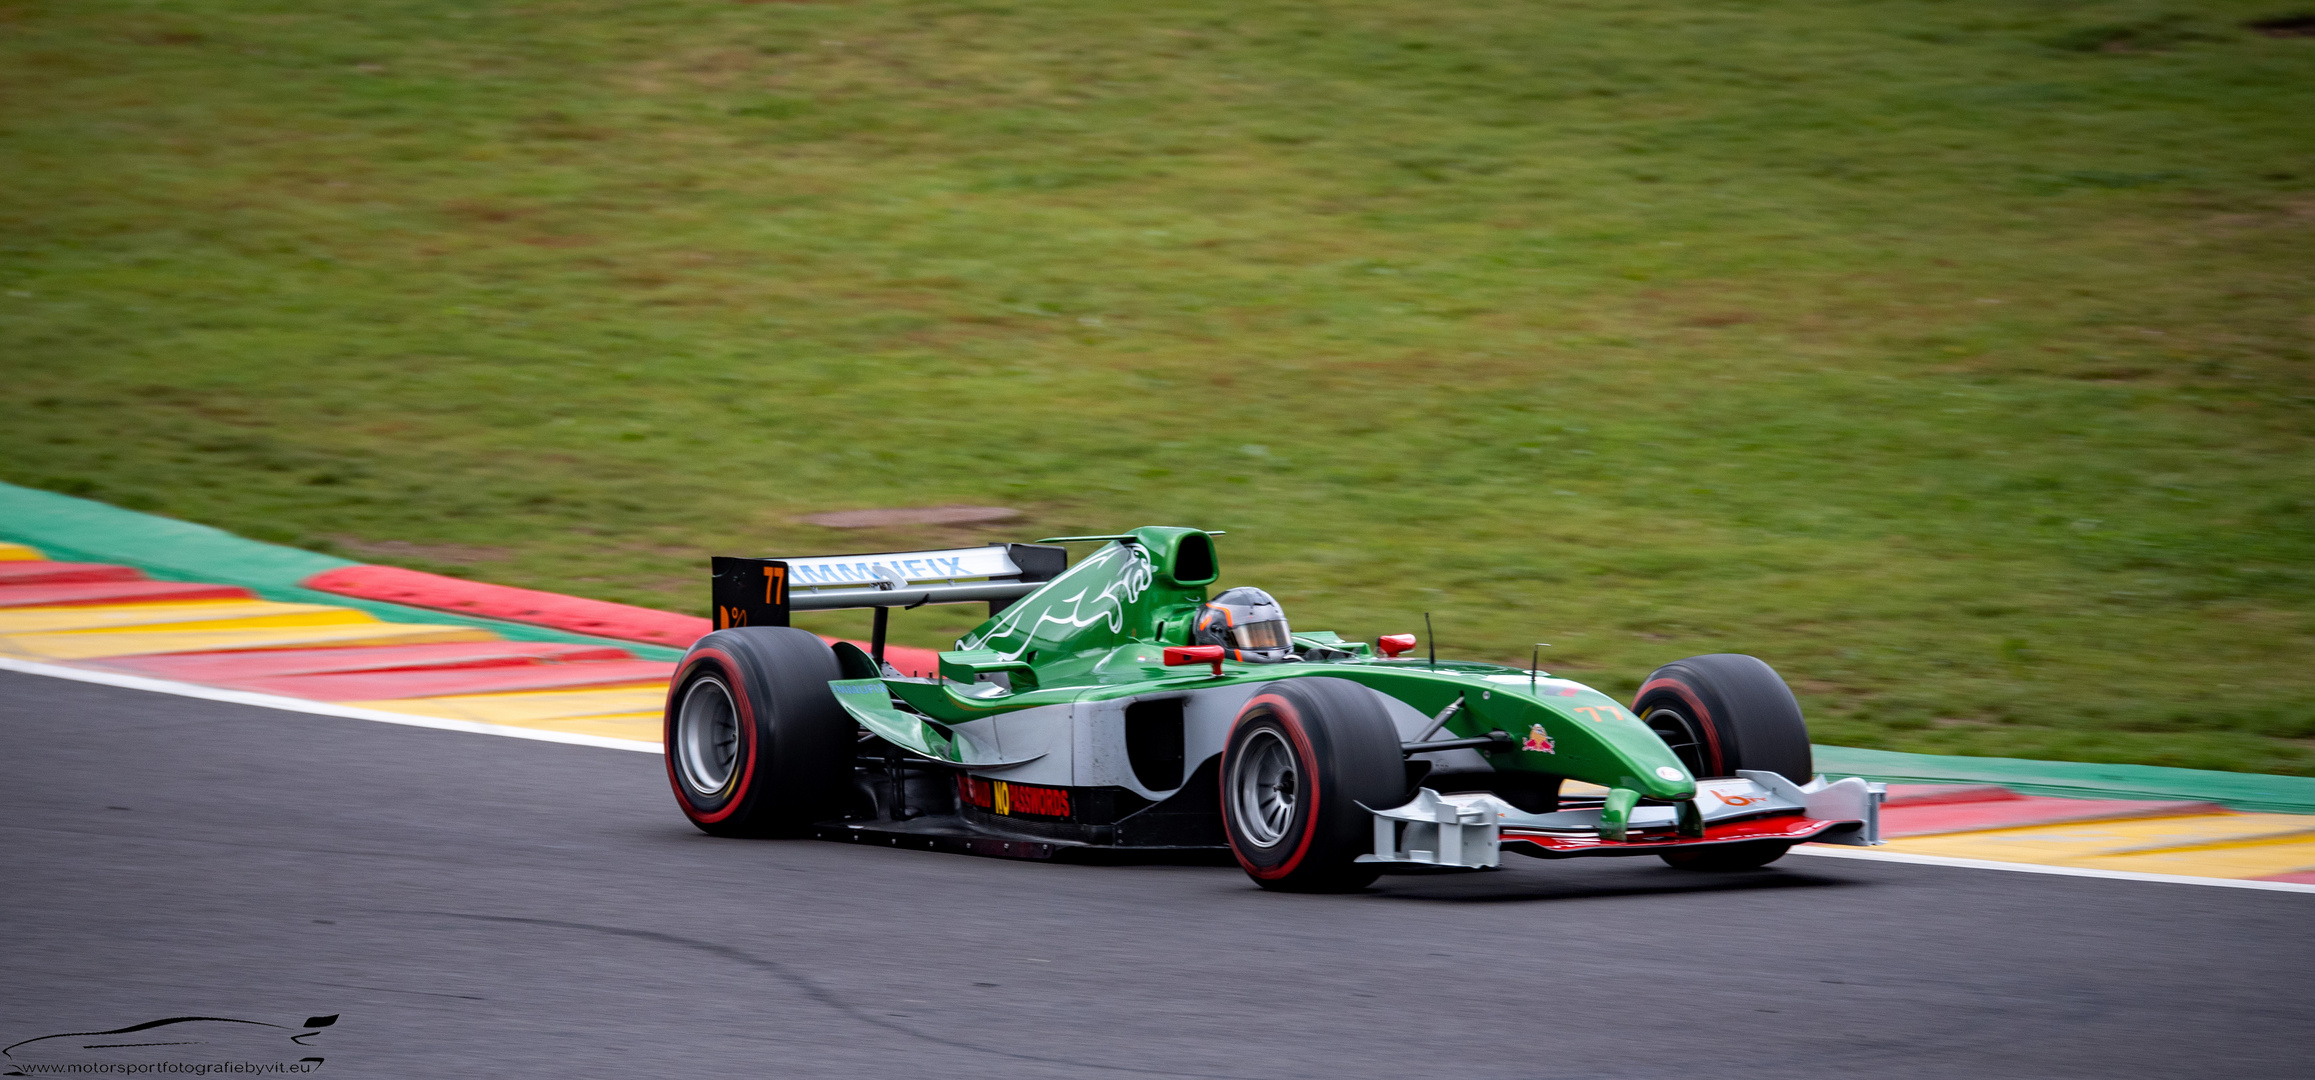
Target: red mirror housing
1181	655
1394	644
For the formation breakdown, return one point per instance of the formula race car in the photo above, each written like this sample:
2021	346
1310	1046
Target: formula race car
1111	708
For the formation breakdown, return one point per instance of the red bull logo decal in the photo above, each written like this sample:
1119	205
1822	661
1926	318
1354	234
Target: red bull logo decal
1538	740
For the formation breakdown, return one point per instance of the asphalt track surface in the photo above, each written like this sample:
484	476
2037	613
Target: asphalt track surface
478	906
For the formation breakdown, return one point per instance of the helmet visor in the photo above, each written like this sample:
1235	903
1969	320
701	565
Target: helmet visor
1262	635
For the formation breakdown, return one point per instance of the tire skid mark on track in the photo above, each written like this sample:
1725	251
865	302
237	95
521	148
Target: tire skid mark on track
809	988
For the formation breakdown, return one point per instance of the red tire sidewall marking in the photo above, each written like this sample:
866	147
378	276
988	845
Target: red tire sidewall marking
1290	720
727	668
1704	721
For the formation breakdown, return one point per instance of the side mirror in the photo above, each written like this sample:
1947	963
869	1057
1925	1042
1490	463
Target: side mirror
1394	644
1181	655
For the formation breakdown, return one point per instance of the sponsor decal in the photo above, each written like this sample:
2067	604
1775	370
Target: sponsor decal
1737	800
1073	604
1538	740
974	791
821	571
1670	773
1598	714
1542	686
870	571
1014	800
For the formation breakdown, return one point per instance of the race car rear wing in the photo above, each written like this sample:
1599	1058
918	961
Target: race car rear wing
761	592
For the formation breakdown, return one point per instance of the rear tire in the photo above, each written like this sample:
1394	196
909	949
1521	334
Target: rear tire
756	744
1303	755
1721	713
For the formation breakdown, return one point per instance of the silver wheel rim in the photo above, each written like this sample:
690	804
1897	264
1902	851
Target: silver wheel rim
1263	783
707	736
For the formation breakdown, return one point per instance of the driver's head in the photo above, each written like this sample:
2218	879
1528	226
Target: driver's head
1248	625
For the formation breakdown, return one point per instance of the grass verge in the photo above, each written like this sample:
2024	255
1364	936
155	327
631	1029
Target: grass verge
1953	356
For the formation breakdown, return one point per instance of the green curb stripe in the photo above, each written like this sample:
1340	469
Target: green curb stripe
77	530
68	529
2241	791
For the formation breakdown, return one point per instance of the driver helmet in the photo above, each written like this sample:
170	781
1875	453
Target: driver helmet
1249	626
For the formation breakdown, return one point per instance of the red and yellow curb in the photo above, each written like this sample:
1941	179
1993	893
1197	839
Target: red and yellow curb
104	617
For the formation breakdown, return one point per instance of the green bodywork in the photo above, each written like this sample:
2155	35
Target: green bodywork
1099	631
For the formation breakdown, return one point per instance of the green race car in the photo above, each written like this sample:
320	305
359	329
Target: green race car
1112	708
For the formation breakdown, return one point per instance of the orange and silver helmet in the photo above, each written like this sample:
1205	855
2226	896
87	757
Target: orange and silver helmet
1248	625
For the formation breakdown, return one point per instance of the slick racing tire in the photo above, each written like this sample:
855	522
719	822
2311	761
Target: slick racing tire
1720	713
756	744
1302	756
1724	712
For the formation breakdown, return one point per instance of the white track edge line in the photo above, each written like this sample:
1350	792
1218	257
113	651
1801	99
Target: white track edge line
1870	855
318	708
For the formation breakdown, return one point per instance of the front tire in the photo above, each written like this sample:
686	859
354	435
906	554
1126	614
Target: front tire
1724	712
1720	713
756	744
1303	755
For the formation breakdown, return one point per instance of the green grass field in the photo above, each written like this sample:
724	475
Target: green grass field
1954	356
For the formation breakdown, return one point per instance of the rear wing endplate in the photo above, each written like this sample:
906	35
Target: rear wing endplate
761	592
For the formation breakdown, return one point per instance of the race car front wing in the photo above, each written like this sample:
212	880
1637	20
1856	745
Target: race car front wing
1470	830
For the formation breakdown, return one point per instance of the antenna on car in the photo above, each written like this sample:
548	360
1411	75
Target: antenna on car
1432	638
1535	660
